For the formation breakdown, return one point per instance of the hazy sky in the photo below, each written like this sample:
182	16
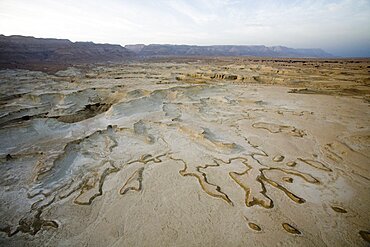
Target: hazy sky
341	27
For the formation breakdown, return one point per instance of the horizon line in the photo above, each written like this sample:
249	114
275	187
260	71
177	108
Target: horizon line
144	43
333	56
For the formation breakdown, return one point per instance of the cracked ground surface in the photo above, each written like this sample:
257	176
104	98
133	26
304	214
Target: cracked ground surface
185	154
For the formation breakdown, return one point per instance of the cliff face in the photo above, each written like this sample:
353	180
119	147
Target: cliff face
21	50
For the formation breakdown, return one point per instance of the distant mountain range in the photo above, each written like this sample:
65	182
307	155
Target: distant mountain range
17	50
225	50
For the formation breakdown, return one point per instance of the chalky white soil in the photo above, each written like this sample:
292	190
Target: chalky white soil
141	155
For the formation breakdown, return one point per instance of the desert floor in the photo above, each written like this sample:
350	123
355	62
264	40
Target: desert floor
187	152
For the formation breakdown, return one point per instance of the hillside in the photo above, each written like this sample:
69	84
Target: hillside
19	50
